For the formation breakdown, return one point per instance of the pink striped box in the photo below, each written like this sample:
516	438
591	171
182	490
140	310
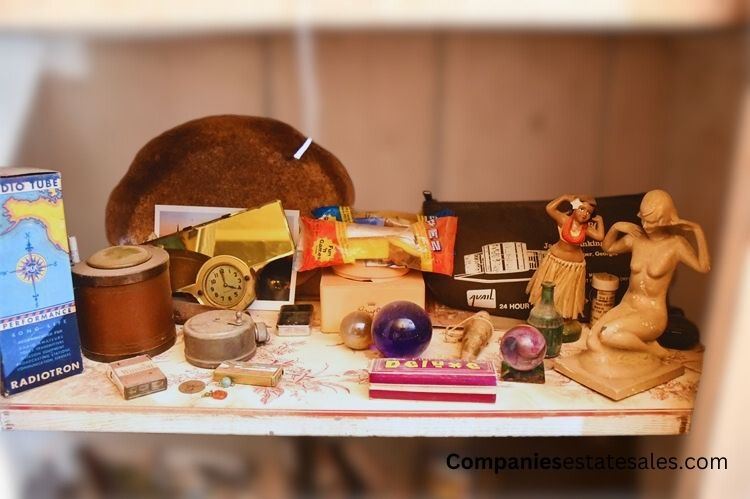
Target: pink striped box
449	380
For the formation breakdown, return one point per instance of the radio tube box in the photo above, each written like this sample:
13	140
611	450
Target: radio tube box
39	340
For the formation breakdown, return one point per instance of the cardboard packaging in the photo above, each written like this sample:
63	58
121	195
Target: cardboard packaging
340	296
448	380
136	377
39	340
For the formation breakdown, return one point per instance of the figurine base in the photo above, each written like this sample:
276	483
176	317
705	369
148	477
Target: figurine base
536	375
617	388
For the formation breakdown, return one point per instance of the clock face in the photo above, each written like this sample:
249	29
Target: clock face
225	285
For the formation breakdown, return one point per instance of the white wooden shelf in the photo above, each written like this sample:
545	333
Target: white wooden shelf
187	15
324	392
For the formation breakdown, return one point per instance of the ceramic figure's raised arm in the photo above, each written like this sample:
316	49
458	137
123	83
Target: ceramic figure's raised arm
595	229
552	211
614	244
702	261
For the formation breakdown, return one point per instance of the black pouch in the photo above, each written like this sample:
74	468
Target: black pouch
500	244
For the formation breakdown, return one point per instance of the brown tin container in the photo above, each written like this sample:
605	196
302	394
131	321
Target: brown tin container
124	303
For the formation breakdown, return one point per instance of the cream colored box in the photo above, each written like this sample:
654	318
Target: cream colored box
340	296
136	377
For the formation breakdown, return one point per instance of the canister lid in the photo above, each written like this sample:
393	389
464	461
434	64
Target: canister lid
120	265
218	324
605	282
119	257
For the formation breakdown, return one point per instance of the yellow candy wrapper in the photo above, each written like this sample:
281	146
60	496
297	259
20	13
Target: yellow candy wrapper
425	245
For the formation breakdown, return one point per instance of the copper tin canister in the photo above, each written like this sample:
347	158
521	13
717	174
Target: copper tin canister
124	303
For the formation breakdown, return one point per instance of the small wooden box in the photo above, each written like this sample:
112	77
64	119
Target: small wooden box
340	296
136	377
249	373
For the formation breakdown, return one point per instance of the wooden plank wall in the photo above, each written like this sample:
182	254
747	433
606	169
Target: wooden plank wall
469	115
707	85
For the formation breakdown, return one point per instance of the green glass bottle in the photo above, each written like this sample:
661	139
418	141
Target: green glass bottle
546	319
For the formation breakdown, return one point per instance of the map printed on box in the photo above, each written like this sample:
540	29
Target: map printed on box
39	340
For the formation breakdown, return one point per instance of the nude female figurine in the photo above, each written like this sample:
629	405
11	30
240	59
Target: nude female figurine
657	248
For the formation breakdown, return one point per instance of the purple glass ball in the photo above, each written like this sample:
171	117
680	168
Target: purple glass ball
523	347
401	329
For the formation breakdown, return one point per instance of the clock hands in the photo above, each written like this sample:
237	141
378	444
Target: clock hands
224	280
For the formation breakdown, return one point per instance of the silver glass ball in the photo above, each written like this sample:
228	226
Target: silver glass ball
356	330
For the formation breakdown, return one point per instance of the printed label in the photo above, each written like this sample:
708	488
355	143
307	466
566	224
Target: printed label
346	214
31	183
430	363
482	298
500	263
323	249
123	371
505	257
474	263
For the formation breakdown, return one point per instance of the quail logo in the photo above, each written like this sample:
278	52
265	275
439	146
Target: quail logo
481	298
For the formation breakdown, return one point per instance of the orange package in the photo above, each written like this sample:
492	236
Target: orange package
425	245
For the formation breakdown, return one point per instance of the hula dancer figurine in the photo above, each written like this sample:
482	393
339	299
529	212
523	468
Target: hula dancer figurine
564	263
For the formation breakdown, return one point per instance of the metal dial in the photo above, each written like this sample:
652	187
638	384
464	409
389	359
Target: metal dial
225	285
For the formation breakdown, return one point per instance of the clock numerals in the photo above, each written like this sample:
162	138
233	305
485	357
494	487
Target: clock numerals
226	285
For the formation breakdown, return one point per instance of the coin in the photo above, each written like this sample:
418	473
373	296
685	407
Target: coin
192	386
219	394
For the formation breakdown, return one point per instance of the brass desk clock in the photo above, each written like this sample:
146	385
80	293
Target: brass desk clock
224	281
230	250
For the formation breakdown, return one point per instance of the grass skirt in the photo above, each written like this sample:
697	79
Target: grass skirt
570	284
